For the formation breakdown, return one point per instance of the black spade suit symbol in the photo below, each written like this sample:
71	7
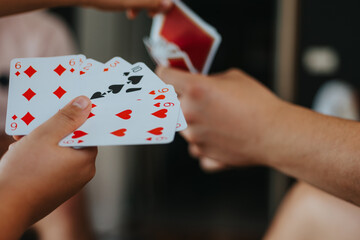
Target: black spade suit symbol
135	79
97	95
116	88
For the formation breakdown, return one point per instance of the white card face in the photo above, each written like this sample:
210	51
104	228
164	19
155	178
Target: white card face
38	88
181	122
138	122
131	105
157	86
116	65
90	66
82	59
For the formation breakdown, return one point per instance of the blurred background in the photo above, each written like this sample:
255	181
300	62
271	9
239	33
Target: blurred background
159	192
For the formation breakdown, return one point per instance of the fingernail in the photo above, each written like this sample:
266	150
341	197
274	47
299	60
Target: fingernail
165	4
81	102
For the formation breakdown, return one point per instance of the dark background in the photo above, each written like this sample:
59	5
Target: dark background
179	200
332	24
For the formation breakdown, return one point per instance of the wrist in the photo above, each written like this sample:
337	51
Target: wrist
275	132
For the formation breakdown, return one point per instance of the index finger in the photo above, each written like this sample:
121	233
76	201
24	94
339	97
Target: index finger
178	78
161	5
17	137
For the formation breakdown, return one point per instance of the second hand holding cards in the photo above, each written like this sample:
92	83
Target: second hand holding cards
181	39
130	104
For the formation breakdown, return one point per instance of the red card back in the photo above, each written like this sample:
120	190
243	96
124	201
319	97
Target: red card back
178	63
188	36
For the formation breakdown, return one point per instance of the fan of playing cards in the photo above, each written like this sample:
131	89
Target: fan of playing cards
130	104
182	39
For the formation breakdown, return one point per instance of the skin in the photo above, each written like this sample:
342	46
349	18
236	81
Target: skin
37	175
69	221
309	213
19	221
261	129
132	6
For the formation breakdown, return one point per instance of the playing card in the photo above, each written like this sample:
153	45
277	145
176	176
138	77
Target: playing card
117	82
182	27
138	122
90	66
38	88
151	82
130	104
168	54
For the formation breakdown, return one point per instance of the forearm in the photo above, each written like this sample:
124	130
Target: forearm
13	216
17	6
322	150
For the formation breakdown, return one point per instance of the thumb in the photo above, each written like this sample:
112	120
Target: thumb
64	122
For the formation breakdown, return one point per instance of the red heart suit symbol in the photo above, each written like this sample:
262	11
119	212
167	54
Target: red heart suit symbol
152	92
160	97
78	134
125	114
161	113
120	132
82	72
91	115
149	139
157	104
156	131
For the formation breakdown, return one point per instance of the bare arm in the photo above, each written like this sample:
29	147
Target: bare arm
17	6
321	150
37	175
235	121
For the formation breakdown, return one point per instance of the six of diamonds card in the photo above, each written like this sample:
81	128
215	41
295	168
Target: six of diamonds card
130	104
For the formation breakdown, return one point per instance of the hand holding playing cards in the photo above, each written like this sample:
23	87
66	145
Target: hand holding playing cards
37	175
228	115
235	121
134	5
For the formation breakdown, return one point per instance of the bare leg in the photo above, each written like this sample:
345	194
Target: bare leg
69	221
308	213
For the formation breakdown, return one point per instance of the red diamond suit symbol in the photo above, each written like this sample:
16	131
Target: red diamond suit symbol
59	92
29	94
30	71
60	70
27	118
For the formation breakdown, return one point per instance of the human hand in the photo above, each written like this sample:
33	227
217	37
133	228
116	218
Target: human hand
37	175
131	6
230	116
